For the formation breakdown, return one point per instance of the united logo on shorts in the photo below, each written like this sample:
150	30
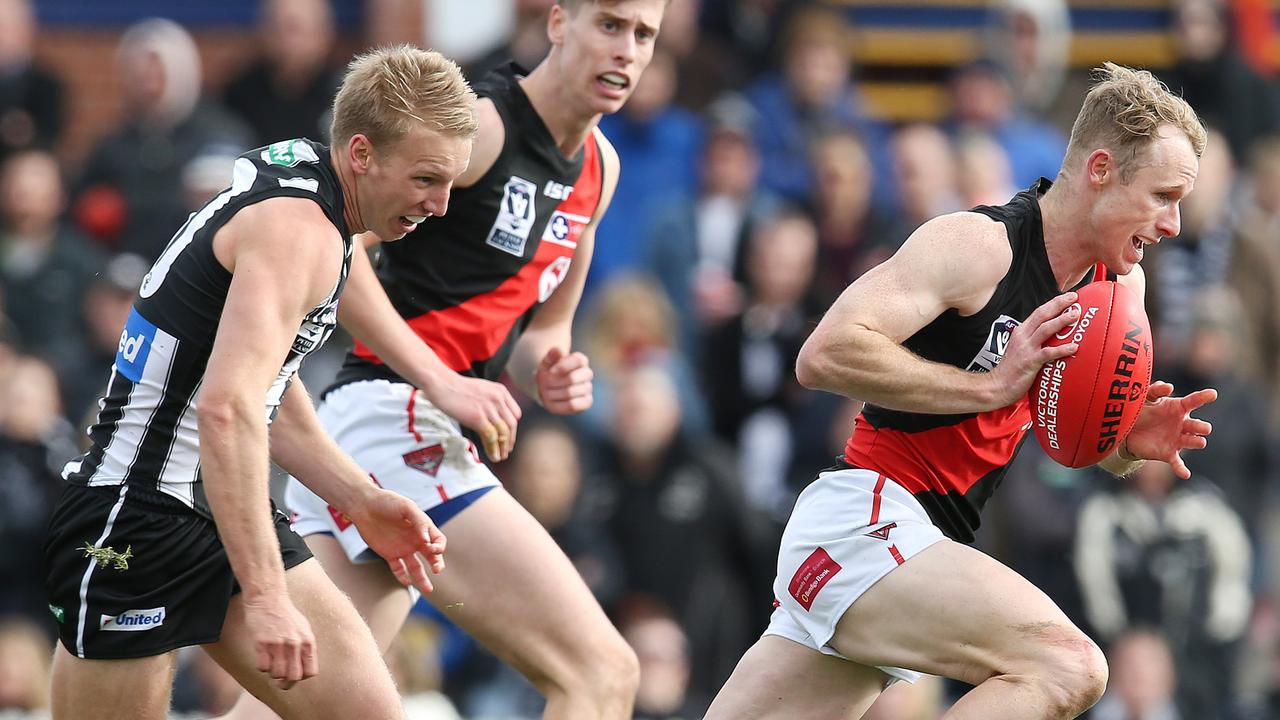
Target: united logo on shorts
814	573
425	459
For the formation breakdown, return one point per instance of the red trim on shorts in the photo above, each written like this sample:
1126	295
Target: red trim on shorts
417	436
444	496
875	501
893	550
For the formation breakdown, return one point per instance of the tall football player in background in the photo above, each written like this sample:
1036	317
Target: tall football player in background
492	286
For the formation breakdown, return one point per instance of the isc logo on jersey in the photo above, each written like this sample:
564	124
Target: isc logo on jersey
133	620
996	343
135	346
516	213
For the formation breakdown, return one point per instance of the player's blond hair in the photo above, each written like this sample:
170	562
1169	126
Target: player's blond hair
389	90
1123	112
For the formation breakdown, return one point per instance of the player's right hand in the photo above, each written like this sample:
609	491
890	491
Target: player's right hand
481	405
1026	351
284	646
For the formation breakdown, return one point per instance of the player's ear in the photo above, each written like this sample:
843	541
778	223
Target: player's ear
1100	167
556	21
360	153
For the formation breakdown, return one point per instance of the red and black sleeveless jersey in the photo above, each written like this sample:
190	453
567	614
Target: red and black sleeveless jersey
469	282
953	463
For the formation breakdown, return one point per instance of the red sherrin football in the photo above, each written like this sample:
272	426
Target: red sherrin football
1084	405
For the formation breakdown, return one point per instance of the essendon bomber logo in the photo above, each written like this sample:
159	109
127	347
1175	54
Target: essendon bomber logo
425	459
993	349
516	214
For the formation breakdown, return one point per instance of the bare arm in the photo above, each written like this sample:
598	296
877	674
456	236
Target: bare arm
541	363
951	262
258	324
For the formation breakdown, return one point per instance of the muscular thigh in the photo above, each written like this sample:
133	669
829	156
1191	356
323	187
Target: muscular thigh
111	689
511	587
352	681
953	611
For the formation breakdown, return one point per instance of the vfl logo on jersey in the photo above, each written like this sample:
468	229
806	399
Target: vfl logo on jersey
133	620
289	153
425	459
552	275
135	346
993	349
516	214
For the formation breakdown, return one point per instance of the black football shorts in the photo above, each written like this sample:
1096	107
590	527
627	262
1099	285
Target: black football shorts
132	572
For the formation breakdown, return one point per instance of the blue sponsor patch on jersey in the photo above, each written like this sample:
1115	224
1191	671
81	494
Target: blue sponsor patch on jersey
135	346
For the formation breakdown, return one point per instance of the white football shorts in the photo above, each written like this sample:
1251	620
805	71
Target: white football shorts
405	443
849	528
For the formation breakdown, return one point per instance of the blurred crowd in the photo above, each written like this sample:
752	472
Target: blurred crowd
757	183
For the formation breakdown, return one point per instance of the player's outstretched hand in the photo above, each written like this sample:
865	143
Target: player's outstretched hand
564	382
1026	351
397	530
283	644
1165	428
482	405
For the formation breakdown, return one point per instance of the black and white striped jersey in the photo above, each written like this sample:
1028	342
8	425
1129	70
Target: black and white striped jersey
146	432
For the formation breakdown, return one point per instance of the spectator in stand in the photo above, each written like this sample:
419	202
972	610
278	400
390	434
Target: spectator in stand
527	44
632	323
982	101
139	167
1143	680
658	143
812	95
984	175
25	654
1255	268
1242	460
45	264
924	167
1171	555
1218	83
671	502
851	230
1030	41
1199	257
286	91
775	424
695	248
105	308
31	98
663	650
34	442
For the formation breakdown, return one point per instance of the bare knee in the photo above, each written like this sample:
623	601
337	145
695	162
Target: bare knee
1073	674
602	670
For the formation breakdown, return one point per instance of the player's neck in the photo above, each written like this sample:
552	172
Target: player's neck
350	200
559	110
1065	241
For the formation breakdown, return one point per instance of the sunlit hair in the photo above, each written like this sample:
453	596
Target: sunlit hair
1123	112
390	90
573	5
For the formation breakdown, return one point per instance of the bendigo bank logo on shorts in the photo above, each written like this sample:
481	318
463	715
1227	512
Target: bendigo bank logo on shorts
993	349
133	620
813	575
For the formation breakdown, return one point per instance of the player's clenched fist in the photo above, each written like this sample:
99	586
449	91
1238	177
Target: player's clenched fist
564	382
